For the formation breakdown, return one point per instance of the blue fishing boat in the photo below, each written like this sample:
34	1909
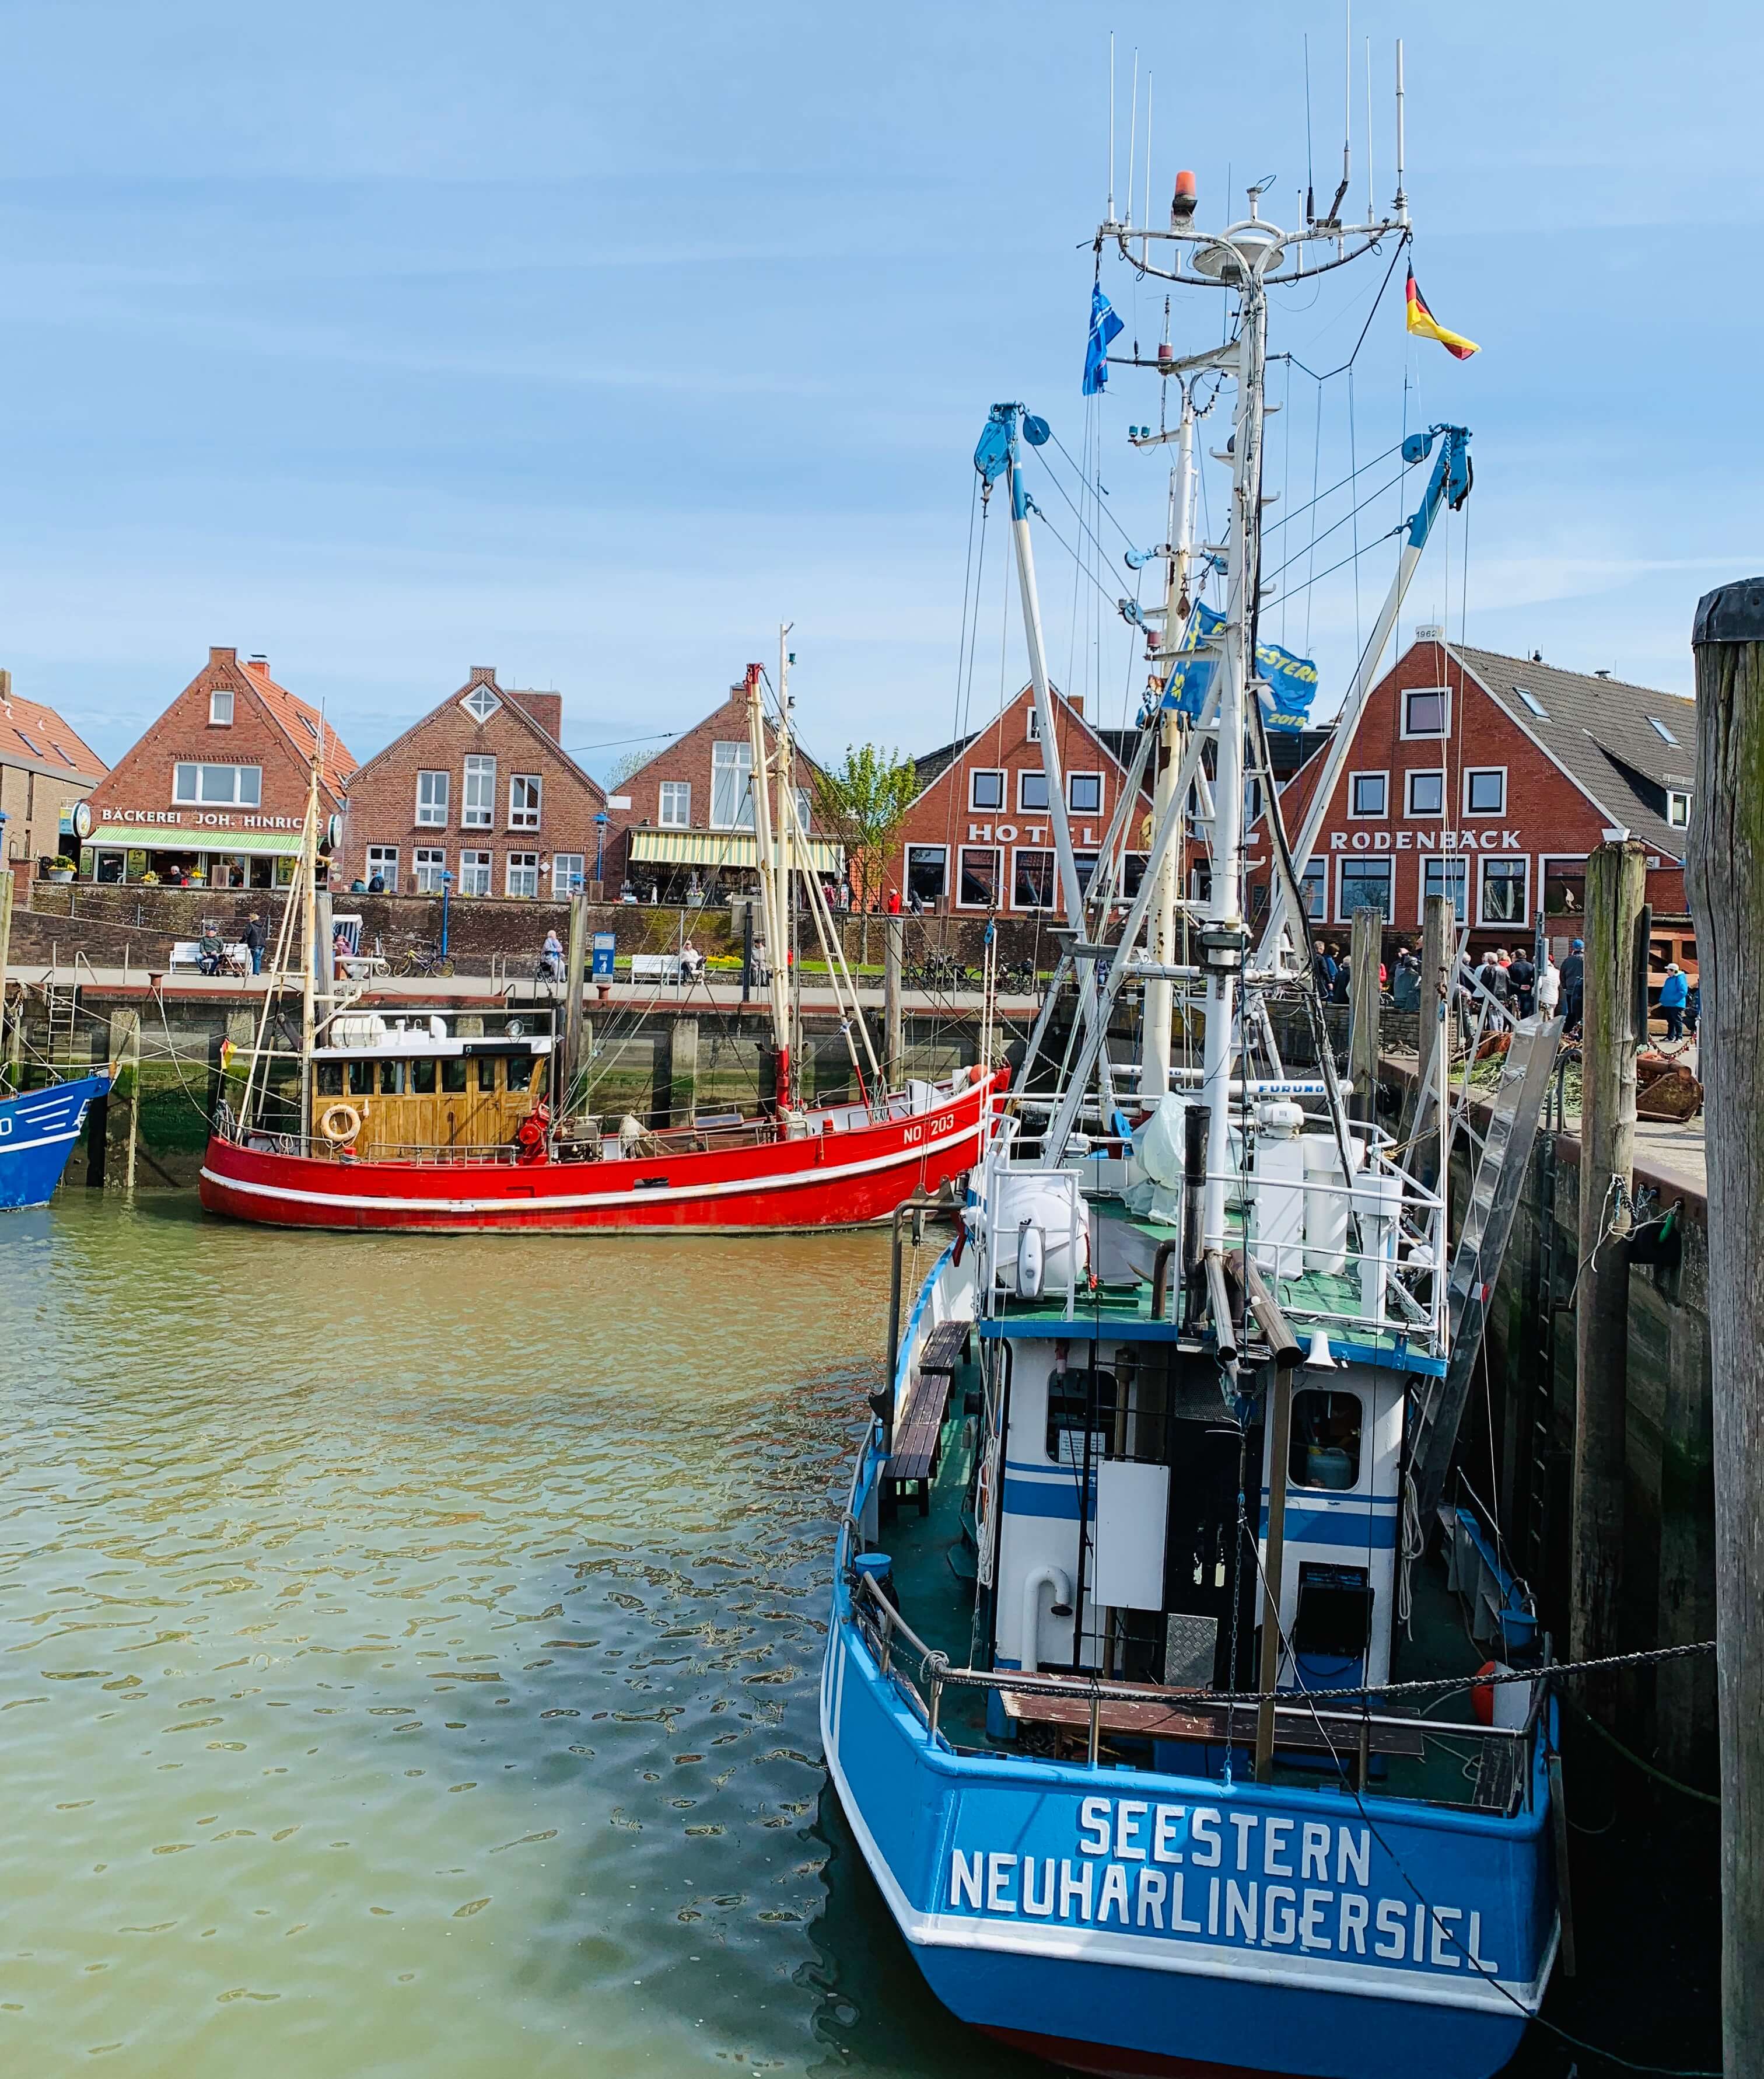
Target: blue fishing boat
37	1133
1162	1714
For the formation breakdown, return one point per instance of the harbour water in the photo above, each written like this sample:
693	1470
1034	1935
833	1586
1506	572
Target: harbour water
408	1652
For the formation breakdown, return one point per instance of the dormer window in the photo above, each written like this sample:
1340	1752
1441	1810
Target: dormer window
220	708
1660	730
480	704
1678	810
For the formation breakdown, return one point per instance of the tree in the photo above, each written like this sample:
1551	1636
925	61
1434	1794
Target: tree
864	802
623	767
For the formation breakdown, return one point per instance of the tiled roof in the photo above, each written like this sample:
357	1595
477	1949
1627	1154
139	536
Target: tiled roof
303	723
34	735
1611	737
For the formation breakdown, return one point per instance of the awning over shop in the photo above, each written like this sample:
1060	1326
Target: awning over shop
172	837
738	848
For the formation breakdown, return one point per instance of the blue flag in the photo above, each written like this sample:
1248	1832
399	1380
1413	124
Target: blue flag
1104	326
1291	681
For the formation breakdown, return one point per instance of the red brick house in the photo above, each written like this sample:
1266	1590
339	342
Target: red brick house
45	768
979	837
480	788
1490	778
688	812
215	790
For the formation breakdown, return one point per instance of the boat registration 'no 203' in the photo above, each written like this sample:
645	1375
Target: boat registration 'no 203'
1254	1879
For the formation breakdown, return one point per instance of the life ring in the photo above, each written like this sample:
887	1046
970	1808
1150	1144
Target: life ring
341	1122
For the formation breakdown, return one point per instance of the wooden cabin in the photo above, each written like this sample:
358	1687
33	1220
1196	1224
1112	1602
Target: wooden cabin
386	1088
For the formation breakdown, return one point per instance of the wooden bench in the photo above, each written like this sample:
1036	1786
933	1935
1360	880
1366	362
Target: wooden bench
1165	1716
946	1348
913	1462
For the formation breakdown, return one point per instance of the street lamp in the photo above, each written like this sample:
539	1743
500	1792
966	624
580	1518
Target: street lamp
601	821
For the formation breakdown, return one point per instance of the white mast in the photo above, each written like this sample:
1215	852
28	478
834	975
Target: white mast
1154	1068
309	914
771	908
1222	945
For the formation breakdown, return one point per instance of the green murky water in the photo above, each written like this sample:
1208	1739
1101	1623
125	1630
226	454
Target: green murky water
408	1653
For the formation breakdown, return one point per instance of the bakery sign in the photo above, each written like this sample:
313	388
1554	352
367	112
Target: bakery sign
1425	840
200	819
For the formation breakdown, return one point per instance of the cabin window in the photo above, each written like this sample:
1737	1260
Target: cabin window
422	1078
392	1079
330	1079
487	1066
1326	1440
358	1079
453	1075
1077	1400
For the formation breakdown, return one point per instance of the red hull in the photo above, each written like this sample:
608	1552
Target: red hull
831	1179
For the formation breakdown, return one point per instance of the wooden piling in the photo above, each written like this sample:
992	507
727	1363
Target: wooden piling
122	1108
1725	878
1616	879
683	1071
1365	950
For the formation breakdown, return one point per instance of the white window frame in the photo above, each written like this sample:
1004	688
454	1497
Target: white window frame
477	872
1072	806
1415	772
1545	860
1461	861
997	854
480	704
1034	723
1026	776
428	863
383	860
1052	858
976	772
1675	795
737	758
942	852
674	794
1368	815
1481	772
523	863
1484	861
197	797
220	707
1344	914
1316	875
569	874
432	814
479	814
1408	735
526	818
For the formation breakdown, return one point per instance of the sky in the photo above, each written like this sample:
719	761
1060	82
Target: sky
593	342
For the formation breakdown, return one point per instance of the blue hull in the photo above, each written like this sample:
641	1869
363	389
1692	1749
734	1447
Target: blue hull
1129	1922
37	1134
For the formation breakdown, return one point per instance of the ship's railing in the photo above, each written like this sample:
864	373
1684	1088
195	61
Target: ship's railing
1504	1755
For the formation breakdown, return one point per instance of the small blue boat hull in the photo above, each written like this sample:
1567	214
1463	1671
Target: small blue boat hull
37	1134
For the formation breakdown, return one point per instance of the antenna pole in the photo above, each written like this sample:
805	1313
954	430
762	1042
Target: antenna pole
1111	126
1347	103
1155	1067
1147	219
1371	205
1401	205
1133	132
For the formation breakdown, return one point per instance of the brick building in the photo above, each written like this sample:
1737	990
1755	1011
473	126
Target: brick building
978	837
215	790
688	812
480	788
44	769
1490	778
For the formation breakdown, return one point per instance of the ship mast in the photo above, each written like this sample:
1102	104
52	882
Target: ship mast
772	906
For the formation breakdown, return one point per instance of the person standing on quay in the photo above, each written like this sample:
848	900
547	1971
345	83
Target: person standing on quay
254	941
1673	992
1574	973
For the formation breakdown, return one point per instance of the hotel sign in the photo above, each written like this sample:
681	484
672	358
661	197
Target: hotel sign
1425	840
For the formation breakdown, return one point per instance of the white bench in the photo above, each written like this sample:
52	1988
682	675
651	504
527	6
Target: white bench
187	953
664	966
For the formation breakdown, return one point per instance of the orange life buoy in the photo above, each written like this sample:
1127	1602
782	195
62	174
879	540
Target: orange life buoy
340	1123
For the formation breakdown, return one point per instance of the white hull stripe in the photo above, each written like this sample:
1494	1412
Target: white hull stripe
9	1146
789	1180
1147	1952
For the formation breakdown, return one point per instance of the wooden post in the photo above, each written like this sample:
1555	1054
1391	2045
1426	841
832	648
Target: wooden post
1726	882
1364	950
683	1071
1616	879
122	1108
8	1078
893	944
563	1095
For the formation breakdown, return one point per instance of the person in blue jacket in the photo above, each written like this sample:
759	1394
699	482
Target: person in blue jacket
1674	991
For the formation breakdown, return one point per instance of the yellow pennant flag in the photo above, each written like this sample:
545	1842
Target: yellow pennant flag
1421	321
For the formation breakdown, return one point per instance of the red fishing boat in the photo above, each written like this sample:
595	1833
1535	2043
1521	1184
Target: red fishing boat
425	1121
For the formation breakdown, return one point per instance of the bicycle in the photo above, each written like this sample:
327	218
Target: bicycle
429	960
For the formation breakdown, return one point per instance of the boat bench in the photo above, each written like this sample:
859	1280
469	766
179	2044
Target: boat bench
1167	1715
913	1462
945	1347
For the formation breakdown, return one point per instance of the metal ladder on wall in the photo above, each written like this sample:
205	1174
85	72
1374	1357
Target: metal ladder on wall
1541	1409
1517	1107
61	1007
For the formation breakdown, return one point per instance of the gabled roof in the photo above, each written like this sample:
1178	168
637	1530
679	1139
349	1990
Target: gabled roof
485	674
302	725
934	764
34	735
1599	732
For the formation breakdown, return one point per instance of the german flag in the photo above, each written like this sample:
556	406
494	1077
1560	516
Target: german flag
1421	321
